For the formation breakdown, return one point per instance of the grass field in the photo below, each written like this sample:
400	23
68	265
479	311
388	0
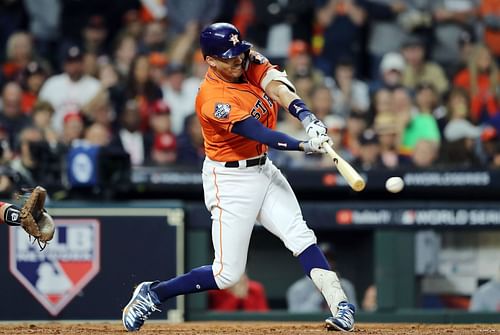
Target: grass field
240	328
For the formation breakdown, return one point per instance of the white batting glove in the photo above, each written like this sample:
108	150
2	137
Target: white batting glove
314	127
315	144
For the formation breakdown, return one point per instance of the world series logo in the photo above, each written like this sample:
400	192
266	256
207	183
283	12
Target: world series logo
57	274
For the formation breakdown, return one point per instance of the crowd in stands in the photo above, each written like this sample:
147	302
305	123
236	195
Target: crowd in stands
399	83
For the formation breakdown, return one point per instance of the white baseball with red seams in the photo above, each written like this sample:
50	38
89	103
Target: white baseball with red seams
394	184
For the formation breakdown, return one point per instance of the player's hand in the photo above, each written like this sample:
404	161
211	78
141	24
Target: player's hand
315	144
316	128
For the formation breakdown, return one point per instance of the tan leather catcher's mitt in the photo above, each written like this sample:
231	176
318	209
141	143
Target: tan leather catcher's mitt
34	218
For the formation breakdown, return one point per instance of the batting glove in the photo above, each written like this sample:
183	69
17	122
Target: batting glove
314	127
315	144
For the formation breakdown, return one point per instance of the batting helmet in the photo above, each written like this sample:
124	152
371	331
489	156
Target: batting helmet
222	40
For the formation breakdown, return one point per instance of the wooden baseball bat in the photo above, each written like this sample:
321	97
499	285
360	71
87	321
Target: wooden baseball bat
352	177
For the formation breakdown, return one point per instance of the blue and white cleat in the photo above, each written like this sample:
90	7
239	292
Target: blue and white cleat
140	307
344	319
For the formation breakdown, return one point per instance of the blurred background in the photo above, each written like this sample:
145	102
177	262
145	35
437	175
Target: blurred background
97	105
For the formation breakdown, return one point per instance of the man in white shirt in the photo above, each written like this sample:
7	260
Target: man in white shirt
70	90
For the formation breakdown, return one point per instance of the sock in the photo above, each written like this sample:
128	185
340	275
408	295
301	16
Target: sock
312	258
12	216
197	280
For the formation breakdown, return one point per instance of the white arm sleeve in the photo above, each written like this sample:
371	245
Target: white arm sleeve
274	74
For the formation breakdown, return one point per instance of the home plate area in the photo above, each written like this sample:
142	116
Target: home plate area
240	328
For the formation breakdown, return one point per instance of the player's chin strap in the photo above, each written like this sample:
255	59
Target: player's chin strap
328	283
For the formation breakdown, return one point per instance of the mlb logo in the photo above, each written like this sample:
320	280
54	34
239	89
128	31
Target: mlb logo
57	274
222	111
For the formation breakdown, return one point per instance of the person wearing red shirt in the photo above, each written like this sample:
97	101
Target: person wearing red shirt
246	295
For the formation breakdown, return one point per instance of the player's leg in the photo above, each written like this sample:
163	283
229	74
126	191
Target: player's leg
10	214
233	197
281	215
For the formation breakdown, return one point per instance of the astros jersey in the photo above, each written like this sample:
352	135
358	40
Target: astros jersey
220	104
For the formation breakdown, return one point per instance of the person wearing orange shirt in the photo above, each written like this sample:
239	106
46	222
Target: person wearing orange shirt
237	107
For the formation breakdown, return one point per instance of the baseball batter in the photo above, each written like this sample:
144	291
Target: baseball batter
237	107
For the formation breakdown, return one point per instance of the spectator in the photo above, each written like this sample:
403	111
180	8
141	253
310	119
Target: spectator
154	38
425	154
98	135
178	96
322	102
198	70
32	80
110	81
336	130
303	296
37	163
247	295
489	11
349	93
44	26
487	296
95	34
391	72
182	13
385	126
124	53
420	126
369	303
459	148
164	141
490	148
481	80
100	110
385	33
299	63
12	119
19	54
418	70
369	152
129	137
69	90
73	128
341	23
355	125
158	62
450	19
140	87
42	119
190	151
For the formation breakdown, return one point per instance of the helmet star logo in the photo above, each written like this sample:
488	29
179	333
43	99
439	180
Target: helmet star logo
234	38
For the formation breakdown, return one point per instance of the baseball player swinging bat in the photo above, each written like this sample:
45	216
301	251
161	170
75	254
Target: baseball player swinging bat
352	177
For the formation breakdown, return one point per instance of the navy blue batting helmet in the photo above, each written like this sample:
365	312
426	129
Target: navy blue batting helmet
222	40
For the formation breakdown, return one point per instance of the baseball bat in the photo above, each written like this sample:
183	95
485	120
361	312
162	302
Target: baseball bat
352	177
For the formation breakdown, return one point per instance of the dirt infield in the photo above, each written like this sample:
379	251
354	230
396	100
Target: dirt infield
241	328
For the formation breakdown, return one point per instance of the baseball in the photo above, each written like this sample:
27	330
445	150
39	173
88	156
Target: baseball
394	184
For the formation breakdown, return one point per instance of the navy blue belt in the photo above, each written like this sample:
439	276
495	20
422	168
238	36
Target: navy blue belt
250	162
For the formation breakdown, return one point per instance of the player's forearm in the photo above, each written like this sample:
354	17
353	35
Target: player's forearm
254	130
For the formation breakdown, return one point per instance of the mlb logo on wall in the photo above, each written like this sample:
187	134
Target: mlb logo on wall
55	275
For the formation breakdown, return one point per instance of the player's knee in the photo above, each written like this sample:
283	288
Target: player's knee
228	279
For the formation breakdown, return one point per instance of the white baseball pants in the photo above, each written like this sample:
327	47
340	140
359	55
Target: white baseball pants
238	198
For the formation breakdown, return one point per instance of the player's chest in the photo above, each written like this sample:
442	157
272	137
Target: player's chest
255	101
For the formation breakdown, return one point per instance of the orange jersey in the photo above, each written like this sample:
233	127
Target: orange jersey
220	104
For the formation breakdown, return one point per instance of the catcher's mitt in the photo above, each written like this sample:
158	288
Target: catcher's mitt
35	220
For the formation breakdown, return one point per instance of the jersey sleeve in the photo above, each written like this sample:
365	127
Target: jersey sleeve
224	113
257	68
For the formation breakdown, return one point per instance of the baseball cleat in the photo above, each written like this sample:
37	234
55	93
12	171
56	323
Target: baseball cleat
140	307
343	320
